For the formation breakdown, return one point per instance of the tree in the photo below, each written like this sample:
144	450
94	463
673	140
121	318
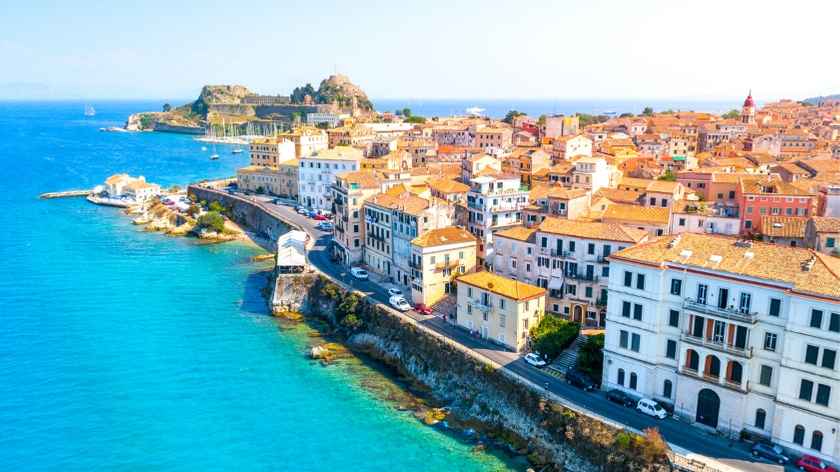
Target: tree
211	221
731	114
648	111
626	115
167	107
541	120
552	335
216	206
586	119
668	176
415	119
398	112
406	112
591	356
511	115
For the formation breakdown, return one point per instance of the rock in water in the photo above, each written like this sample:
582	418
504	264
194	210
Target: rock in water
318	352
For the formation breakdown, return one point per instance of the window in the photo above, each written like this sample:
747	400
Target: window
621	377
674	318
775	306
628	279
760	417
823	394
806	390
829	242
834	323
811	354
816	318
588	292
502	320
702	291
622	339
571	246
828	359
766	375
770	342
625	309
745	303
633	380
666	389
799	434
635	342
676	286
816	441
590	248
671	349
640	281
637	312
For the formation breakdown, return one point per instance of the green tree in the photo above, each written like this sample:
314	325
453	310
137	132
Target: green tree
731	114
591	356
648	111
398	112
216	206
552	335
626	115
415	119
167	107
541	120
211	221
668	176
511	115
406	112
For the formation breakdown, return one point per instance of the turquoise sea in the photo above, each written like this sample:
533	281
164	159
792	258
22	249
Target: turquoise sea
124	351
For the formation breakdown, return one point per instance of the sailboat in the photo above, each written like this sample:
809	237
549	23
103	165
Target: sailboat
89	110
215	155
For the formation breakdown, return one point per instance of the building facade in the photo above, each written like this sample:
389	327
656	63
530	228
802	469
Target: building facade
317	175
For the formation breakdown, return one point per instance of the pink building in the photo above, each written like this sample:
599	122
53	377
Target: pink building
764	196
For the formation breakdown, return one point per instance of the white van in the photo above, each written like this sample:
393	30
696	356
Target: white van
651	408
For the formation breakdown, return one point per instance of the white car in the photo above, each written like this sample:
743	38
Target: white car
325	226
535	360
399	302
359	273
651	408
302	211
394	292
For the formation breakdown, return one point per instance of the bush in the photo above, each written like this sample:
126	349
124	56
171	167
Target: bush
591	357
211	221
217	207
552	335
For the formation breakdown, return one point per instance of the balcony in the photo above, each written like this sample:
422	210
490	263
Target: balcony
714	310
415	265
717	380
554	252
448	265
582	277
601	302
718	346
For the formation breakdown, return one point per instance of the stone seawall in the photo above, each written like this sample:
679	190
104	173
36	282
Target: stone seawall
243	212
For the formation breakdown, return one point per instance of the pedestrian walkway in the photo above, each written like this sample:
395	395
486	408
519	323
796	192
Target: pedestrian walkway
568	358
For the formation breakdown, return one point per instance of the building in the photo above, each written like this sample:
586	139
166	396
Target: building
654	220
280	180
590	173
350	191
567	257
307	140
494	203
784	230
567	147
499	309
765	196
748	110
438	256
492	139
330	120
133	188
560	125
317	174
689	216
823	234
736	335
268	152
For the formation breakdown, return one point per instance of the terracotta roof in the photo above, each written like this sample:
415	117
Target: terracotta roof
618	195
448	186
364	178
443	236
761	185
520	233
403	201
591	230
773	262
778	226
636	213
565	193
825	224
508	288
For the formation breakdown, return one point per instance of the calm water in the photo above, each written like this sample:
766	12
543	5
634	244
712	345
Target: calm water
124	350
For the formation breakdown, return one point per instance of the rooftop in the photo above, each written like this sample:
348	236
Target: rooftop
591	230
637	214
778	226
444	236
503	286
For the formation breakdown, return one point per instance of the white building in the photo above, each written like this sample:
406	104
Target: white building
494	203
736	335
269	152
700	217
317	174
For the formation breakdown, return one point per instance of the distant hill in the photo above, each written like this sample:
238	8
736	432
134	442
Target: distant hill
818	100
335	89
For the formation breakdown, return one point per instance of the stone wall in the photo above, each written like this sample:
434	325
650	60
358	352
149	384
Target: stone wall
243	212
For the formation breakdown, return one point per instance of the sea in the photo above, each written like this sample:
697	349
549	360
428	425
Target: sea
123	350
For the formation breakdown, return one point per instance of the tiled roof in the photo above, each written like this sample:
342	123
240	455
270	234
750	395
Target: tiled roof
508	288
592	230
443	236
618	195
778	226
565	193
804	269
636	213
363	178
520	233
403	201
448	186
825	224
761	185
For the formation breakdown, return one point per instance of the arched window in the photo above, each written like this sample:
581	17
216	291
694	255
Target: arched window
666	389
633	380
621	377
692	360
799	434
816	441
712	366
760	417
734	372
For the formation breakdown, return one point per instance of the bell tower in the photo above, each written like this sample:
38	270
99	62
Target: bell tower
748	110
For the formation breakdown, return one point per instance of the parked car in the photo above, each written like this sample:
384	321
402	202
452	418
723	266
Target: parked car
325	226
423	309
301	210
651	408
621	397
394	291
399	302
320	217
810	463
535	360
311	213
580	380
771	452
359	273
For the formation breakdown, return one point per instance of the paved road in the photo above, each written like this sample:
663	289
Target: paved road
693	439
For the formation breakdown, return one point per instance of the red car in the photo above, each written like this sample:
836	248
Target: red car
320	217
423	309
813	464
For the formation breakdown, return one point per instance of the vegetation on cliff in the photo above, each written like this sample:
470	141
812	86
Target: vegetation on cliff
335	89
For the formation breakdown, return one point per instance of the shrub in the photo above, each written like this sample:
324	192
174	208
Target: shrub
591	356
211	221
217	207
552	335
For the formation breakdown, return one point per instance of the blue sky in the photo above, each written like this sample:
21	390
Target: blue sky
425	49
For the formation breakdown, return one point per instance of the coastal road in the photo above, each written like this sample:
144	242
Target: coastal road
692	439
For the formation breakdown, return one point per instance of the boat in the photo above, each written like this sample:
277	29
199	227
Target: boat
214	157
236	151
90	111
474	111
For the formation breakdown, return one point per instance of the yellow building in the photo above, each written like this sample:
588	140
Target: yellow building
437	257
498	308
280	180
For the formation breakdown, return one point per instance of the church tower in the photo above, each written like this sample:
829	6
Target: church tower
748	110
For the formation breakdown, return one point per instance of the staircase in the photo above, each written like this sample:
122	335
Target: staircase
568	358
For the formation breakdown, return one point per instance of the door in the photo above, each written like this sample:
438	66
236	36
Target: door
708	408
723	297
578	314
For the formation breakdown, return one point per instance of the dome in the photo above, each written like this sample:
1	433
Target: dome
749	101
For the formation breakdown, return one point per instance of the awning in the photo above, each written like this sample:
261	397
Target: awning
556	283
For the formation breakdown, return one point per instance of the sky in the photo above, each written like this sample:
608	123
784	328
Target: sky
705	50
